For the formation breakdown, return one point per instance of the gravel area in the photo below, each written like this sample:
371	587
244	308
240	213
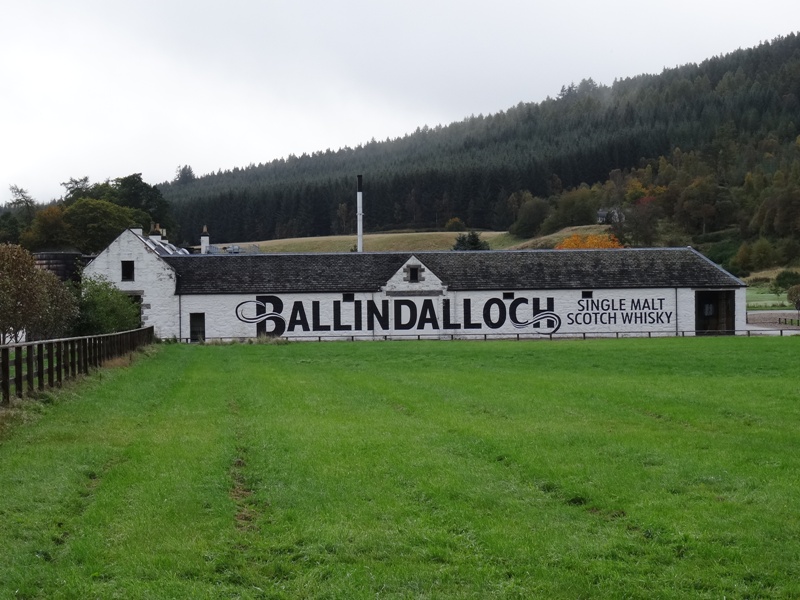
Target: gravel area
769	318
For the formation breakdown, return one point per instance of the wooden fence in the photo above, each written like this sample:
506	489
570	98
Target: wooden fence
48	363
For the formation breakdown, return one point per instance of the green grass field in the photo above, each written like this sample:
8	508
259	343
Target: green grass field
761	297
664	468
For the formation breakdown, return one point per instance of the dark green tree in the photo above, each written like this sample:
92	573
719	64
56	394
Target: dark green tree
23	204
470	241
531	215
184	175
49	231
95	223
133	192
9	228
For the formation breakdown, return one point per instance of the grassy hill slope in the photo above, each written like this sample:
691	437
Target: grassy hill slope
415	241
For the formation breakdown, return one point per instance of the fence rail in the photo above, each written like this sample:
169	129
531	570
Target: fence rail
36	365
752	332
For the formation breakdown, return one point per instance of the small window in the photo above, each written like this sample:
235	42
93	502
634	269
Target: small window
413	274
586	294
127	270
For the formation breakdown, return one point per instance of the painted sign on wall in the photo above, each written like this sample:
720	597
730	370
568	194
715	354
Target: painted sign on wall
541	313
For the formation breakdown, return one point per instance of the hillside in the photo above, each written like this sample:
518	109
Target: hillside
708	138
413	241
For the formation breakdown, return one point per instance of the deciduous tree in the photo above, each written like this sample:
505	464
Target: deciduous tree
49	230
531	215
95	223
32	301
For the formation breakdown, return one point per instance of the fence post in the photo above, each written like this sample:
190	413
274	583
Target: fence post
18	371
73	358
40	364
59	363
50	365
29	356
5	374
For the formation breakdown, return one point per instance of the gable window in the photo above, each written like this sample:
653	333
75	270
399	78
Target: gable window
413	273
127	270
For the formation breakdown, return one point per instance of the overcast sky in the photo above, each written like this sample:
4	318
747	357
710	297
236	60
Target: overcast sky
106	88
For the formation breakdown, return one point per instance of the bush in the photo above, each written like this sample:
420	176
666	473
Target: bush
104	309
455	224
577	242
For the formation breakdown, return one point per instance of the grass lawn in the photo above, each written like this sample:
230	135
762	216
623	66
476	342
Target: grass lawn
413	241
382	242
663	468
761	297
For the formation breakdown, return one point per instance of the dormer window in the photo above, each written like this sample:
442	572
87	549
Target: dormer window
414	279
413	274
127	270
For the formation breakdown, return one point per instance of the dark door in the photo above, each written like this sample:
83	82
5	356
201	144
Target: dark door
715	312
197	327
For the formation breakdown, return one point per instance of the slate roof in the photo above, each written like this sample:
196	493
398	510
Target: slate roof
459	271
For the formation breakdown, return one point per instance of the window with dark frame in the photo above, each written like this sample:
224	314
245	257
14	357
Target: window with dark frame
413	274
127	270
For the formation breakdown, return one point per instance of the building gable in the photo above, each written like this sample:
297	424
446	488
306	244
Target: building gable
414	279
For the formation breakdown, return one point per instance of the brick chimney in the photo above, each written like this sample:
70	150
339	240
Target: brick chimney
155	233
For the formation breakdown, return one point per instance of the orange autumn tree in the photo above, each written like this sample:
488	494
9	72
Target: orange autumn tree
581	242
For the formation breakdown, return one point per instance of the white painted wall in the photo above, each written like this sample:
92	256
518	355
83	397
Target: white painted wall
664	311
154	280
741	309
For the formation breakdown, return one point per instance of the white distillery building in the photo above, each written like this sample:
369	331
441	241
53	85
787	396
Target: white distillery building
526	294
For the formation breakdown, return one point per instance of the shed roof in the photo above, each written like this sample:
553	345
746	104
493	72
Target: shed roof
459	271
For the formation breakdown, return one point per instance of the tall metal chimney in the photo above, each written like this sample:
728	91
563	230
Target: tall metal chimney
360	212
205	239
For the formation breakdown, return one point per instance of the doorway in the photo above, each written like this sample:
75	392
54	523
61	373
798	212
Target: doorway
715	312
197	327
